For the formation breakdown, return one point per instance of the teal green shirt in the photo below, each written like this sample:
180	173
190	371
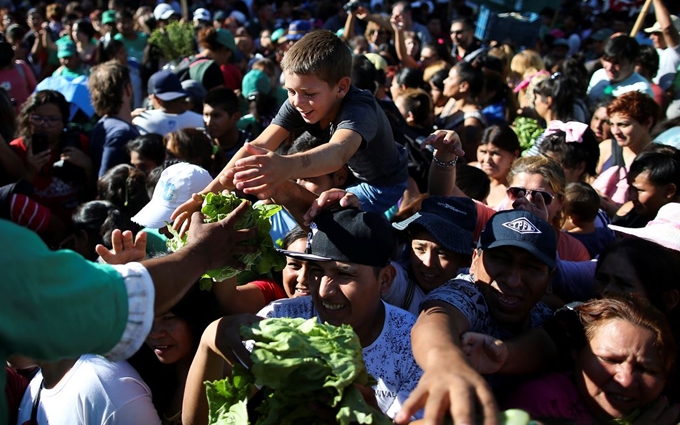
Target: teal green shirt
135	48
155	242
55	304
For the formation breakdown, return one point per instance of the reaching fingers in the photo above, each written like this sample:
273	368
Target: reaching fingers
127	240
462	404
140	239
413	404
489	406
103	252
117	240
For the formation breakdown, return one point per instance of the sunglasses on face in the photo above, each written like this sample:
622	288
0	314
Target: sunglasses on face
520	192
379	32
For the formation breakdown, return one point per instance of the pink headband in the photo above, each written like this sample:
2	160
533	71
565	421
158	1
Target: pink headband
525	82
573	130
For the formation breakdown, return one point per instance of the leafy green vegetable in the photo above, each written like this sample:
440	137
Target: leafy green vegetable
297	362
527	130
175	41
215	208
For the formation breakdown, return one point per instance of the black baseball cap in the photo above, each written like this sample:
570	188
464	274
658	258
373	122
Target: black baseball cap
350	236
521	229
450	220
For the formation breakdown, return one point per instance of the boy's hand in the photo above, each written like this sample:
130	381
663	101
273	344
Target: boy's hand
260	173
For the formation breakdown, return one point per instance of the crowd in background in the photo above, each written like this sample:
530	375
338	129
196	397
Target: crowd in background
113	115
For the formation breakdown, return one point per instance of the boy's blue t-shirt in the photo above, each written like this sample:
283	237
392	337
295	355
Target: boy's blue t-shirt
379	161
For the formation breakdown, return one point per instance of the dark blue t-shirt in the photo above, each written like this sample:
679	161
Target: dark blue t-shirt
107	143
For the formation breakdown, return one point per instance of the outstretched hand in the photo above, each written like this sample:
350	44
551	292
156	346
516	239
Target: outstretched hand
329	199
125	249
486	354
218	243
445	141
443	390
260	173
181	217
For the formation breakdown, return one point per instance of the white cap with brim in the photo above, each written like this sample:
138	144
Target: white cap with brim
657	27
663	230
176	185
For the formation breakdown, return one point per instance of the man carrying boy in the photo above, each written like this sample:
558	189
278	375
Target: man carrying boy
322	101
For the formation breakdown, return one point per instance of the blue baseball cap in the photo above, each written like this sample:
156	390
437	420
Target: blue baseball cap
521	229
166	86
450	221
297	30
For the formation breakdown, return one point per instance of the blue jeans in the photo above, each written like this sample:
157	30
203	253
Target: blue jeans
377	199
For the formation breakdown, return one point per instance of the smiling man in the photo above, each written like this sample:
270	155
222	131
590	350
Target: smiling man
348	266
618	75
510	272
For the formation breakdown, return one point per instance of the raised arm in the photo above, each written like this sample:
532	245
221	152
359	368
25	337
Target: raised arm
442	175
663	17
264	170
448	384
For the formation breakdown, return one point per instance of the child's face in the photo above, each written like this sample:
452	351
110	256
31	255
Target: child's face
217	121
315	99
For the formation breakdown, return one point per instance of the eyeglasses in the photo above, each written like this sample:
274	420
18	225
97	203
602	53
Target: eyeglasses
520	192
379	32
458	32
45	121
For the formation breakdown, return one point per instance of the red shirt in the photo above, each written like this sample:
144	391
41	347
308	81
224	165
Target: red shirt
60	197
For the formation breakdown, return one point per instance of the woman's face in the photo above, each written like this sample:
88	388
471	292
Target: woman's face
600	124
615	273
537	182
170	339
78	35
395	88
295	272
452	84
619	370
47	119
428	56
431	264
541	105
378	36
494	161
647	198
627	131
438	98
412	47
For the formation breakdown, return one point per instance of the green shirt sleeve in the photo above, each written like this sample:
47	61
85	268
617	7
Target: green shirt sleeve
56	304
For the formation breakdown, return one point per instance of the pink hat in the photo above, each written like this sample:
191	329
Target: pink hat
663	230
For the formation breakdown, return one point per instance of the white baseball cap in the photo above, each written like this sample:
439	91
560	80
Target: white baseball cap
663	230
657	26
202	14
163	11
176	185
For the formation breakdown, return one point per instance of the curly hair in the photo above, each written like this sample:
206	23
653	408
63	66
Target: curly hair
107	82
571	155
636	105
36	100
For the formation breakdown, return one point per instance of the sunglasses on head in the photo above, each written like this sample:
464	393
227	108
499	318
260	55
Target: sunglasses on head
520	192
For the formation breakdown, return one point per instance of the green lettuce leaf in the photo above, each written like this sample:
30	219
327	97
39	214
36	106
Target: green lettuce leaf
215	208
298	362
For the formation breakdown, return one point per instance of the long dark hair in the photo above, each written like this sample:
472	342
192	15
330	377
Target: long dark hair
36	100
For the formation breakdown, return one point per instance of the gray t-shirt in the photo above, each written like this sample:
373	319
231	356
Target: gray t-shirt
379	161
463	294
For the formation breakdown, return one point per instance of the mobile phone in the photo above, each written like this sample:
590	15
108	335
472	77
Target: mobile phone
39	143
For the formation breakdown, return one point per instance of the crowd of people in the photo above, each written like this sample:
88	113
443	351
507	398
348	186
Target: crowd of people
498	223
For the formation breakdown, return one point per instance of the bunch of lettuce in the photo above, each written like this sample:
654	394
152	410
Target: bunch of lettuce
527	130
296	362
265	258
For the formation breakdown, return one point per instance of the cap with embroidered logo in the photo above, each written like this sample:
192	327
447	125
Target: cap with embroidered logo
175	186
521	229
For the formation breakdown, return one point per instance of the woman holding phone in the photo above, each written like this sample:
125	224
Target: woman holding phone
55	158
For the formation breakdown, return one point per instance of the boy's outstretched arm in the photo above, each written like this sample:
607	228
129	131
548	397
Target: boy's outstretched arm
261	172
270	138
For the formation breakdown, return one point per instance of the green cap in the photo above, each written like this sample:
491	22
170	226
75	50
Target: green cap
255	82
66	49
226	38
109	17
277	34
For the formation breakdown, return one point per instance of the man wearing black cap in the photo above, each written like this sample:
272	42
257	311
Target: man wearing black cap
170	111
348	261
348	269
501	297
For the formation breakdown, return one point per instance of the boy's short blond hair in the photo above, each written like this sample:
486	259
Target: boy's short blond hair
320	53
